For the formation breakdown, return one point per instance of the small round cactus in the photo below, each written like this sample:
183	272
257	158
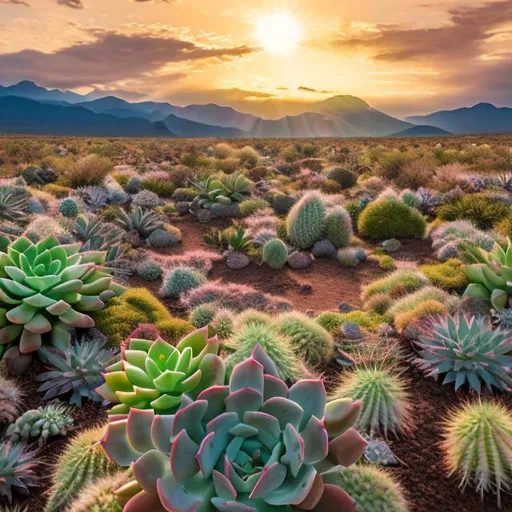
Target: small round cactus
202	315
338	227
149	270
10	400
180	280
478	445
275	253
386	406
372	488
69	208
222	323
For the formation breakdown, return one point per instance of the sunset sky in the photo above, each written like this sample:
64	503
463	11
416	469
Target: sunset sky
401	56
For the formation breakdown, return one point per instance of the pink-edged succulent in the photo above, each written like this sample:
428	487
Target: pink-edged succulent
254	445
157	375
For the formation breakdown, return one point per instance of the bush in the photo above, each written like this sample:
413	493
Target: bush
275	253
428	293
396	284
390	218
306	221
89	170
138	306
344	177
448	275
419	312
338	227
248	156
386	406
308	339
180	280
58	191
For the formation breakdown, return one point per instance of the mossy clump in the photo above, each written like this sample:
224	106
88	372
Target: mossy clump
448	275
397	284
332	322
425	309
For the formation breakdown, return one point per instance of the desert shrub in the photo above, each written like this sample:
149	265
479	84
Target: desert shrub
396	284
344	177
416	173
276	346
477	446
418	313
338	227
248	156
137	305
59	191
252	316
390	218
483	211
392	163
385	261
383	392
330	187
89	170
308	339
146	199
180	280
447	275
332	322
275	253
306	221
250	206
223	150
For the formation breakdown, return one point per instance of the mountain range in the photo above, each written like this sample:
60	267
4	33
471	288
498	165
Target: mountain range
26	108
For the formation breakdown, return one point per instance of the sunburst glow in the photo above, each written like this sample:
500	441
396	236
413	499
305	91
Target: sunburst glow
279	32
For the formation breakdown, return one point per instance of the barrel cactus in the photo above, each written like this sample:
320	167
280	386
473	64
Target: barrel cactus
251	445
68	208
306	221
338	227
48	288
157	375
275	253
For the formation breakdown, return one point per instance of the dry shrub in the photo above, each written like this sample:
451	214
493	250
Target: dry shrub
89	170
416	174
448	177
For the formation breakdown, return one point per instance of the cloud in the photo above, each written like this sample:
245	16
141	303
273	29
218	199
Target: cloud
111	57
74	4
462	37
313	91
15	2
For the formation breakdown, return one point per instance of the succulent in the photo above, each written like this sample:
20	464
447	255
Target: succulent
477	446
385	401
149	270
40	424
68	208
12	207
251	445
338	227
504	318
467	350
156	375
94	197
308	339
77	368
238	239
306	221
275	253
372	489
81	463
143	222
489	274
47	288
95	234
10	399
180	280
100	495
146	199
162	238
202	315
228	189
17	471
410	198
242	343
223	323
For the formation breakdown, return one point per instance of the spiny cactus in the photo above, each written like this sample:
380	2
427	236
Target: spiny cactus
202	315
288	364
338	227
156	375
477	446
40	424
252	316
68	208
17	471
82	462
48	288
149	270
77	368
308	339
100	495
223	323
306	221
383	393
180	280
275	253
466	350
10	400
251	445
372	488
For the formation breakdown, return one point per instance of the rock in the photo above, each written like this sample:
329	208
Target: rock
324	249
204	216
351	331
300	259
237	260
391	245
310	313
39	176
473	306
344	307
306	289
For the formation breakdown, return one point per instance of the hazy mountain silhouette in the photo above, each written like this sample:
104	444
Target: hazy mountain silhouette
421	130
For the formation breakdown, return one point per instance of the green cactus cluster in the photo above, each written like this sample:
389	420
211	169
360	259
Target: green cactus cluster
275	253
180	280
69	208
40	424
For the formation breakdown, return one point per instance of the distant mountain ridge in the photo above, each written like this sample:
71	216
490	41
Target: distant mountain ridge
482	118
422	130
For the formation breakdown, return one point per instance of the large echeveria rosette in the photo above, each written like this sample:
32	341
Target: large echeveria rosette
252	446
156	375
48	289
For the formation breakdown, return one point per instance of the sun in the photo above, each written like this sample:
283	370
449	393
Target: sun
279	32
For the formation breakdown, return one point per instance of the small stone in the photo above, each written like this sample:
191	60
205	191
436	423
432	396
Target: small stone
324	249
391	245
310	313
351	330
182	207
344	307
386	330
237	260
300	259
204	216
306	289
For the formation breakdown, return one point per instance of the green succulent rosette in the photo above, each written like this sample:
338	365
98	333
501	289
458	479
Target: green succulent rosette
157	375
254	445
48	289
